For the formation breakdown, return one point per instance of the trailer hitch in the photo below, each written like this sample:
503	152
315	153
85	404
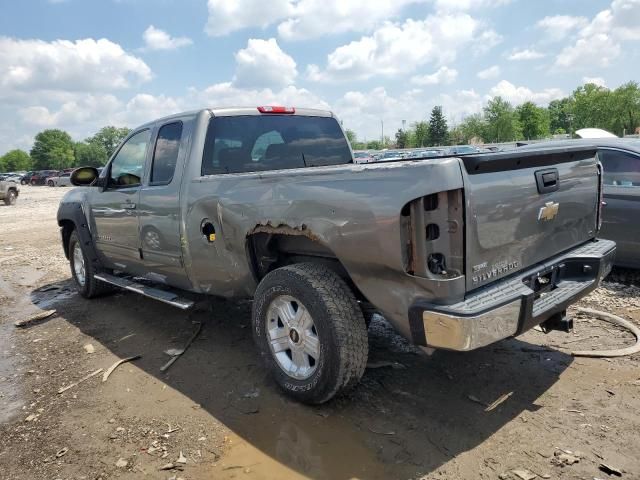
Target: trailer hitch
558	321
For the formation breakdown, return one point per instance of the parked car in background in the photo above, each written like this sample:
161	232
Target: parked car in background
462	150
11	177
61	180
26	178
9	192
40	177
363	157
390	155
620	158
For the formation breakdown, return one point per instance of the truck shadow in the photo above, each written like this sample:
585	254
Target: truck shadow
410	415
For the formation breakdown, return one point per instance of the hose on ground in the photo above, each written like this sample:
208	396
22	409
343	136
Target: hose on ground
614	319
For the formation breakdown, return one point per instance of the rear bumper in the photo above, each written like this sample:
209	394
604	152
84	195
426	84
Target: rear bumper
512	306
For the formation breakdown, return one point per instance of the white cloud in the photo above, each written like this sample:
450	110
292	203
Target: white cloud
314	18
526	54
486	41
263	64
395	49
599	43
226	16
488	73
83	65
597	50
156	39
301	19
443	76
558	27
519	95
599	81
448	5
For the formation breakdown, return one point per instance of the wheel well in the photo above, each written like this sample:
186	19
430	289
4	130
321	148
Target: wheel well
67	227
268	251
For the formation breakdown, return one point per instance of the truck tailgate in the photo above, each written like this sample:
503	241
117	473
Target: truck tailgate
524	207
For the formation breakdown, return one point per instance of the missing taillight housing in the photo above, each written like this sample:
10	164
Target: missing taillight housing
433	242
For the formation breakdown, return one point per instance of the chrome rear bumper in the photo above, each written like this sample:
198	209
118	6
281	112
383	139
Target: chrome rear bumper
513	306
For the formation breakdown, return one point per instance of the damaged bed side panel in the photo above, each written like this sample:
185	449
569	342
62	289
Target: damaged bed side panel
352	211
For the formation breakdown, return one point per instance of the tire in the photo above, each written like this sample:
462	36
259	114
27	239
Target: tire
23	182
368	311
341	342
33	183
11	198
85	282
50	183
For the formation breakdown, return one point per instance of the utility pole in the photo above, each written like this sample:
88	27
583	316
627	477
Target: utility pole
382	132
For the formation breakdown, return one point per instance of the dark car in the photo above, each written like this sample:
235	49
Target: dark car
40	177
26	178
620	158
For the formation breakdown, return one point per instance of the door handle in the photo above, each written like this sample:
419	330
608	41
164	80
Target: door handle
128	206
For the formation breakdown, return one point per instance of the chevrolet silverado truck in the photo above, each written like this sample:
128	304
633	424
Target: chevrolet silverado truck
9	192
267	203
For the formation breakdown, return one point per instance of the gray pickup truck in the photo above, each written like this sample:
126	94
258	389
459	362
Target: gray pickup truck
9	192
267	203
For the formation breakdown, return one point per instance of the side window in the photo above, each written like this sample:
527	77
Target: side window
165	154
621	169
127	166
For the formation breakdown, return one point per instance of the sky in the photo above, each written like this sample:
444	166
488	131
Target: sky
81	64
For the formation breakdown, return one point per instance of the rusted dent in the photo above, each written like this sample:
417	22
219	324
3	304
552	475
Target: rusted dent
284	229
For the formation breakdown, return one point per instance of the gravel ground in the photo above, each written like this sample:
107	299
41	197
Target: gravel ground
217	410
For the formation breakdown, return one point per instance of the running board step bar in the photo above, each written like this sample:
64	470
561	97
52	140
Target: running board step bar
155	293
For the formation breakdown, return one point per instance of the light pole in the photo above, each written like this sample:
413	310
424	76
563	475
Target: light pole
382	132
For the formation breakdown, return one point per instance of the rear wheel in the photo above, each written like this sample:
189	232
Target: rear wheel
83	270
50	183
11	198
309	326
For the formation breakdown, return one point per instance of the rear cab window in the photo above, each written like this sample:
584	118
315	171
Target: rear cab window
621	169
253	143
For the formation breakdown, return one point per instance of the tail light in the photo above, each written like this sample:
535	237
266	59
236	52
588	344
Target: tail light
601	201
433	236
273	109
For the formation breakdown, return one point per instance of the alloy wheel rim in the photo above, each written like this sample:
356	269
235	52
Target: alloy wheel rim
78	265
293	337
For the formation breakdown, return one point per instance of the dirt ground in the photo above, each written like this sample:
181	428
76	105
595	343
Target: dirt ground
216	408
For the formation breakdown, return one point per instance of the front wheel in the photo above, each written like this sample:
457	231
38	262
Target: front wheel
11	198
83	270
308	325
50	183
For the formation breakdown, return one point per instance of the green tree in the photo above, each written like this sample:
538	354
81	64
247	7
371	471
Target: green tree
502	121
419	134
90	155
560	115
592	107
472	127
402	139
351	136
534	120
438	130
52	149
109	137
374	145
625	101
15	161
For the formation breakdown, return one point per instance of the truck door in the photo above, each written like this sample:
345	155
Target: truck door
622	204
159	208
114	207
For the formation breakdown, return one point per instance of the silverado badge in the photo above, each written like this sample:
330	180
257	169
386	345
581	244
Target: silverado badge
549	211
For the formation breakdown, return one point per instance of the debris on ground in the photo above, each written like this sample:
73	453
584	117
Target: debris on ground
609	470
122	463
181	459
616	320
89	348
35	318
110	370
86	377
500	400
561	458
62	452
524	474
177	353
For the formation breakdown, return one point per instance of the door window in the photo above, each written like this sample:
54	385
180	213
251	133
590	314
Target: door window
128	164
165	154
621	169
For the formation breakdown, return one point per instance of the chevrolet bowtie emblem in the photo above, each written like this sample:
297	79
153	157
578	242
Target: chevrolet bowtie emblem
549	211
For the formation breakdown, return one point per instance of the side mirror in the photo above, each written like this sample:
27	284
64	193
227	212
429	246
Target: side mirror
84	176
